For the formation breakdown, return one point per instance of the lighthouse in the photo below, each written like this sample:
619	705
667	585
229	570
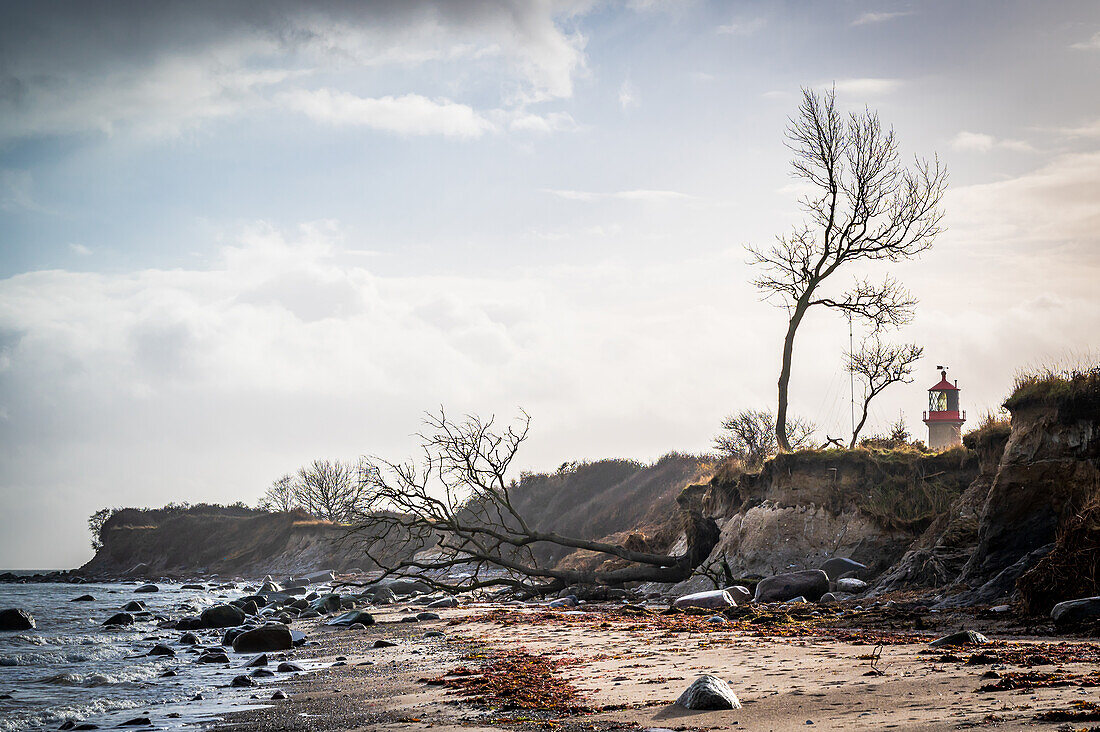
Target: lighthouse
943	417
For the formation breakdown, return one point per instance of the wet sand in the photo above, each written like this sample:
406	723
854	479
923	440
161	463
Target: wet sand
627	671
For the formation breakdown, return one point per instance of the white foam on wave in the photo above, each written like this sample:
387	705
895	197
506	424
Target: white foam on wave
21	720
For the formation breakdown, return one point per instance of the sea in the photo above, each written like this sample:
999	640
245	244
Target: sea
72	667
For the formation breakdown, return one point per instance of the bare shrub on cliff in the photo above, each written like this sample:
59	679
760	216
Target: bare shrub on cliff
456	510
750	436
864	205
878	365
331	490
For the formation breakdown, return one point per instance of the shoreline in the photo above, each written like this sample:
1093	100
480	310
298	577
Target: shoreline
627	670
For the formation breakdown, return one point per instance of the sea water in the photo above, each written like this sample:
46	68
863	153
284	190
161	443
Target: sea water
72	667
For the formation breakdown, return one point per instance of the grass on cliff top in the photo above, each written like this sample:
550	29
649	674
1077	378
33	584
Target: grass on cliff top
1076	386
992	427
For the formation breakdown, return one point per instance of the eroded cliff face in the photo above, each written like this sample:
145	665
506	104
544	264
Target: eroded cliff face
804	508
1034	478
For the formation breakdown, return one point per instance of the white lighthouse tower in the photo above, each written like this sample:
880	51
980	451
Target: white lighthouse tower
943	417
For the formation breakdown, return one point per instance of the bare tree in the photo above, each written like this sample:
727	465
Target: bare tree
456	512
331	490
866	205
281	496
878	365
750	436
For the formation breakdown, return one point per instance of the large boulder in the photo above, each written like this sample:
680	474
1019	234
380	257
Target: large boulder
120	619
837	567
327	603
808	583
709	692
222	616
147	588
1073	610
271	637
712	600
351	617
15	619
850	585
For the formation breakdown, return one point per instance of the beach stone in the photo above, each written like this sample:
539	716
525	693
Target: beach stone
192	587
160	650
444	602
297	637
962	638
222	616
278	695
134	606
800	600
427	616
383	643
83	598
188	623
709	692
717	619
567	601
147	588
189	639
327	604
711	600
15	619
434	634
120	619
740	594
169	673
407	586
326	575
1073	610
259	673
851	585
209	656
410	619
383	596
137	722
830	598
242	681
271	637
230	634
351	617
250	607
287	667
837	567
808	583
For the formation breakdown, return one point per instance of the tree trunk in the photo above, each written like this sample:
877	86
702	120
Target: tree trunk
859	427
785	377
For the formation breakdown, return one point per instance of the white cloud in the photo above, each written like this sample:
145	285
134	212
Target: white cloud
981	142
1092	44
744	27
653	196
628	95
1052	206
80	249
880	17
164	74
1091	129
522	121
410	114
867	87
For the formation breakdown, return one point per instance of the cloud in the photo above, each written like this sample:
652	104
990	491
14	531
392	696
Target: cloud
1052	207
1092	44
880	17
742	27
1091	129
866	87
628	95
652	196
410	114
981	142
73	69
80	249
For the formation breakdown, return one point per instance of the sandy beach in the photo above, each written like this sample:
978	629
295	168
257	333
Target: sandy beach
615	667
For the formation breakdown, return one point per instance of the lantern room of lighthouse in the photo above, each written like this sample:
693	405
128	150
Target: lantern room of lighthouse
944	418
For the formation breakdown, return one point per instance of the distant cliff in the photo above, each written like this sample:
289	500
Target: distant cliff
222	540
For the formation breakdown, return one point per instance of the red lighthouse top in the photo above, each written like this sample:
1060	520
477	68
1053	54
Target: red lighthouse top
943	402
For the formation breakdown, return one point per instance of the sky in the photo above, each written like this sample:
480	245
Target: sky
235	237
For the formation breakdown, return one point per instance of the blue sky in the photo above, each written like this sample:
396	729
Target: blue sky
235	238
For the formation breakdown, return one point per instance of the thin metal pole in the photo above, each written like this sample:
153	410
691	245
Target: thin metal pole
852	374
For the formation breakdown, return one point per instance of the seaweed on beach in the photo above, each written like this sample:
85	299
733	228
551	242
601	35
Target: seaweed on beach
1027	680
514	680
1079	711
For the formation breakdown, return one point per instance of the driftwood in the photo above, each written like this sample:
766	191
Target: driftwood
457	509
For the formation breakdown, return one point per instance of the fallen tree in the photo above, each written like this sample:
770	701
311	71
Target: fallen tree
457	508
